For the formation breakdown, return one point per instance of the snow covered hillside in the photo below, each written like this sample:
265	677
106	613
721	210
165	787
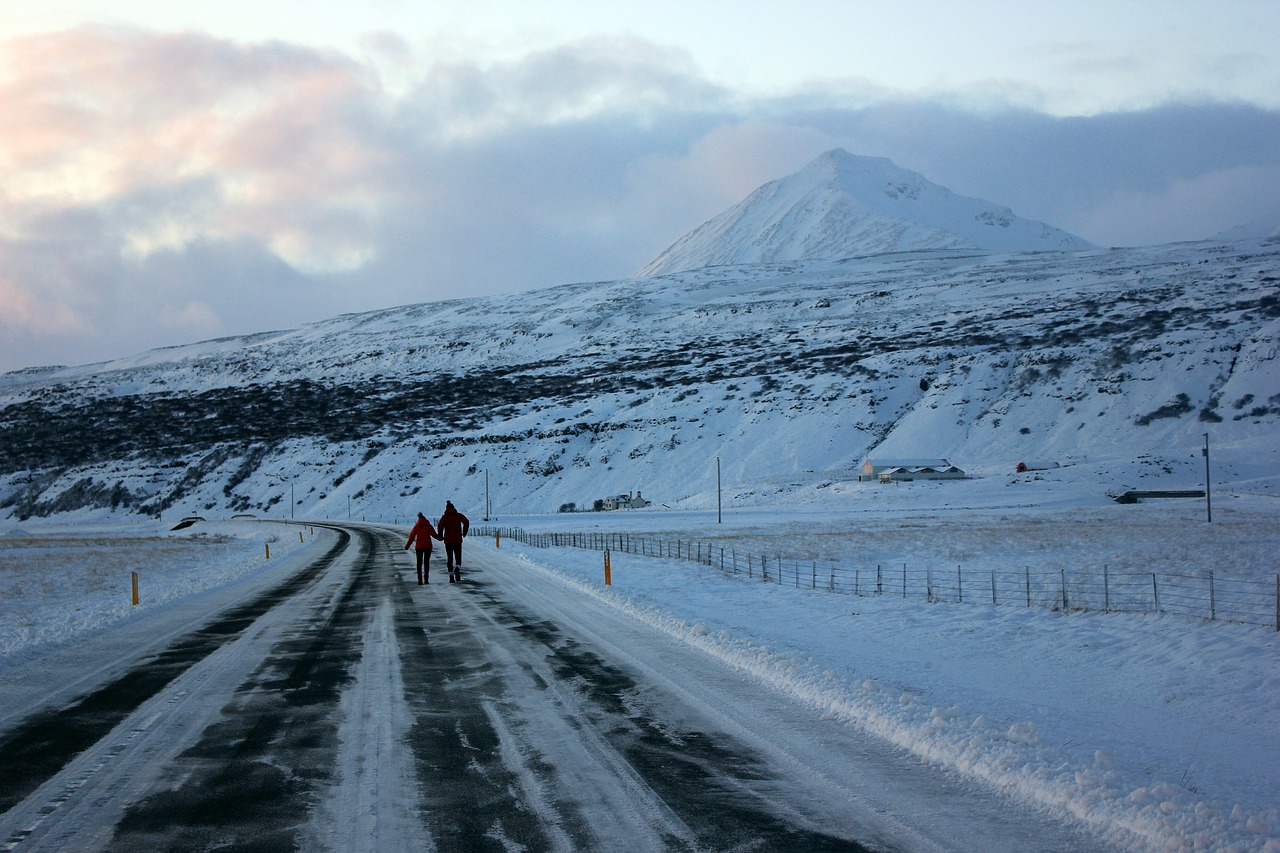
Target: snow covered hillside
790	375
842	206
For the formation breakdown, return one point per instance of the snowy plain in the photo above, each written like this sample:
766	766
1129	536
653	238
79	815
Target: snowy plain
1154	732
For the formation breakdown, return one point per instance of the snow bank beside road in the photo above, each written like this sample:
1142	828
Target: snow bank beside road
1155	732
64	581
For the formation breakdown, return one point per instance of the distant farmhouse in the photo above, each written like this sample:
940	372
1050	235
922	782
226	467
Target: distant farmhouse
624	502
906	470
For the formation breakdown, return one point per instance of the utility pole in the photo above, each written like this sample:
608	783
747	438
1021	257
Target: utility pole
1208	501
718	503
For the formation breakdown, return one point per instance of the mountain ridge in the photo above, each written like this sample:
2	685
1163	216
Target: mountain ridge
844	205
791	373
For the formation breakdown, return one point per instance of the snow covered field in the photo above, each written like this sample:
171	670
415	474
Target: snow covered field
1157	732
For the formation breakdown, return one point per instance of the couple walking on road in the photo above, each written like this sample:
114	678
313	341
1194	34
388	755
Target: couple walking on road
452	527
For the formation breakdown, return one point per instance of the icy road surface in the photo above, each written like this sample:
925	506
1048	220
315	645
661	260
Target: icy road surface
346	708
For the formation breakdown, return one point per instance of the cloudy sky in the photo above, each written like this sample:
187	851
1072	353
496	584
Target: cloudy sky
177	170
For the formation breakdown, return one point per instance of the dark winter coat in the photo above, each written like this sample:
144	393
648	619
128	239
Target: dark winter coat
453	526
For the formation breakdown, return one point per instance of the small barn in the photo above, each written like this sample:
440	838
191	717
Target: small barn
905	470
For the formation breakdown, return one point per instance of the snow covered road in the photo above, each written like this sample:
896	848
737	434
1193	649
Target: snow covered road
347	708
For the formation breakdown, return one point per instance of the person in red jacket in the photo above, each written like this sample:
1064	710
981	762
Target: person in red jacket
453	529
422	533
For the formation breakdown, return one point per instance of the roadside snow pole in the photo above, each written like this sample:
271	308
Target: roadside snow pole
299	537
135	588
267	545
497	538
608	580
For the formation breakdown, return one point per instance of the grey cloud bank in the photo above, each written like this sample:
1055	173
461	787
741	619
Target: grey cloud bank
271	185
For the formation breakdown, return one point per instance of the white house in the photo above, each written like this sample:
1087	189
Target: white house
903	470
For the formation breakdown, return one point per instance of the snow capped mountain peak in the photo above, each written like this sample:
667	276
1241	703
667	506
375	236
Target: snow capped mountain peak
844	205
849	170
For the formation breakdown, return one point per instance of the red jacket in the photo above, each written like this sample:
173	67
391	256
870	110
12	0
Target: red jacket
423	532
453	526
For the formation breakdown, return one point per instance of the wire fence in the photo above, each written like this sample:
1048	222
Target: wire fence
1208	595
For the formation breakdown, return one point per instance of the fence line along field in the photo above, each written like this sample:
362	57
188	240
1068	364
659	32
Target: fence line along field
1157	561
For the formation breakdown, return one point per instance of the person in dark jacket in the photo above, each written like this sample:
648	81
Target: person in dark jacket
453	529
422	533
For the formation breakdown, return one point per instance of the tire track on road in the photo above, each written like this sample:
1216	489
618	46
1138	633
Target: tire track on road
253	778
38	747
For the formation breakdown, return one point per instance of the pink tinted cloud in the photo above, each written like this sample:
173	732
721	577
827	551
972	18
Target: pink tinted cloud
94	113
22	308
